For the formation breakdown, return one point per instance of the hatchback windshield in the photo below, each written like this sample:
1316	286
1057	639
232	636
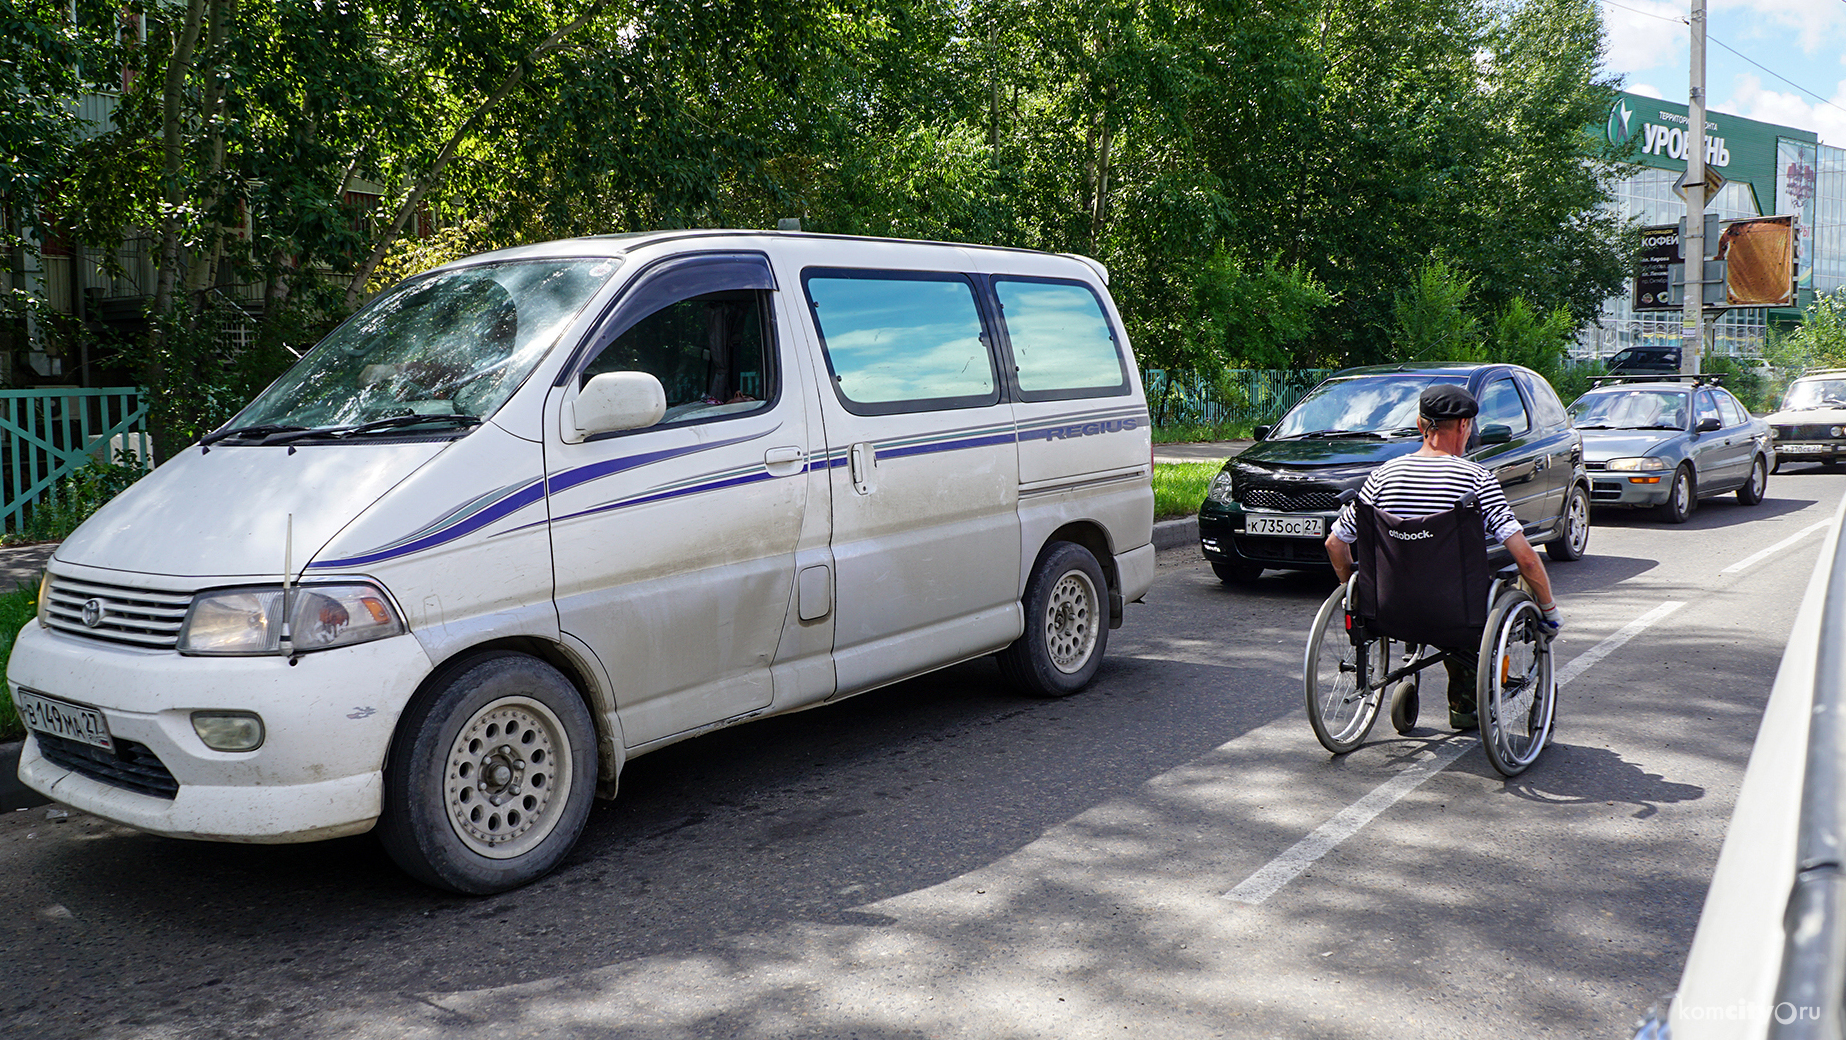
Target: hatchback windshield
1359	406
1630	410
1816	393
441	352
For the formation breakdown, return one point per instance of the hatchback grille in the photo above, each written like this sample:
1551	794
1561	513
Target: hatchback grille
131	766
133	617
1290	501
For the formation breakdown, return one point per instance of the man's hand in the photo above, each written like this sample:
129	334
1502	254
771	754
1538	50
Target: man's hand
1553	619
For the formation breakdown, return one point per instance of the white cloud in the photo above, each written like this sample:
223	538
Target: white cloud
1643	34
1813	26
1749	98
1647	90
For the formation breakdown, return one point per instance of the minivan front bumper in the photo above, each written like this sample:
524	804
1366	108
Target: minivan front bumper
328	721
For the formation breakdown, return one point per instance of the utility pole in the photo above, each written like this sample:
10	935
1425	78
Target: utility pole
1692	247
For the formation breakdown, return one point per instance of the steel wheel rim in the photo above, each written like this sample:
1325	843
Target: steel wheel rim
1345	705
1578	531
1070	622
1523	669
507	778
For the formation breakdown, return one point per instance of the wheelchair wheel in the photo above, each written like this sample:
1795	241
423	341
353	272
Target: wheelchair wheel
1516	692
1404	705
1342	707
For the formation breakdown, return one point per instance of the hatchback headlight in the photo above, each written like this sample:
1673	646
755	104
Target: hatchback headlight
1626	464
249	621
1220	488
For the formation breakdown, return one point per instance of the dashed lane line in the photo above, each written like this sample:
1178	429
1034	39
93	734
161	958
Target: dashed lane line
1269	879
1758	557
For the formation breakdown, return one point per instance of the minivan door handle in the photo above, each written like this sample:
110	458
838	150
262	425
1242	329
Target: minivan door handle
864	458
783	462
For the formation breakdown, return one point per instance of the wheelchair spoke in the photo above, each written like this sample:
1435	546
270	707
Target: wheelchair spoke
1343	681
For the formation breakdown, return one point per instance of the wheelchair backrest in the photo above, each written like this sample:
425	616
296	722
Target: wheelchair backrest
1423	579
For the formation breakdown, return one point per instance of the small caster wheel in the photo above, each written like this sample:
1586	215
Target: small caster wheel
1404	706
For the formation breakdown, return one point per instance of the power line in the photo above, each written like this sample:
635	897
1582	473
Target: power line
1667	18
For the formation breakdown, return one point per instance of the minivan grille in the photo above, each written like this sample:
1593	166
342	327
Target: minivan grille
132	766
132	617
1290	501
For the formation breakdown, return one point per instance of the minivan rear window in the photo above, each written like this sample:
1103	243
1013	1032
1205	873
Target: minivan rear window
902	341
1061	340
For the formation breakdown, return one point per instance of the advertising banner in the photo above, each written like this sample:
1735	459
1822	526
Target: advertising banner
1797	167
1761	258
1659	251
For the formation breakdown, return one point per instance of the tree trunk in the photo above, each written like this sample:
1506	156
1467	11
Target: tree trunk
173	159
432	177
202	273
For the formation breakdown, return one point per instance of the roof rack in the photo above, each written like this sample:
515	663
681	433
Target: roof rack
1700	379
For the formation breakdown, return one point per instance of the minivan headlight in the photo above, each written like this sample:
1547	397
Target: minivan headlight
1626	464
249	621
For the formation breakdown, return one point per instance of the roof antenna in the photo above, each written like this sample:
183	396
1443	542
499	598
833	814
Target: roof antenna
286	644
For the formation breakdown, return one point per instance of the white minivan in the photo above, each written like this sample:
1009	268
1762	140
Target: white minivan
541	510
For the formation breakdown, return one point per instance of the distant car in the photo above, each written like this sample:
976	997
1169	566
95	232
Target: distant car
1665	443
1645	361
1272	506
1811	424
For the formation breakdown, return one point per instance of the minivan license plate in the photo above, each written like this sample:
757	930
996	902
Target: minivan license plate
59	719
1284	526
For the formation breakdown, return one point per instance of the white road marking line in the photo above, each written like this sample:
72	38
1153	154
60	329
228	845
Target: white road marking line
1271	876
1759	557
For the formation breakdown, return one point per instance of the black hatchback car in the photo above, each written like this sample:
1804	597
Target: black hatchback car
1272	506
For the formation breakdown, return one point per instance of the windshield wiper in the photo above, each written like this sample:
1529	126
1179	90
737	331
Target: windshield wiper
1333	434
259	430
1594	426
391	422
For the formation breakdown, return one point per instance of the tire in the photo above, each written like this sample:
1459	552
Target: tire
1233	572
1758	485
469	808
1574	540
1516	692
1339	708
1067	624
1777	468
1681	500
1404	705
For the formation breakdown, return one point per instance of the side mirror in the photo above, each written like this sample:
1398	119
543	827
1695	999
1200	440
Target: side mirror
1261	433
1495	433
1708	424
615	401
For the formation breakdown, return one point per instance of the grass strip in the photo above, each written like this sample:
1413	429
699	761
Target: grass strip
1179	487
16	609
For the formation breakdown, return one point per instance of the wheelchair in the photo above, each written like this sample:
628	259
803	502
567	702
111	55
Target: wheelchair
1377	632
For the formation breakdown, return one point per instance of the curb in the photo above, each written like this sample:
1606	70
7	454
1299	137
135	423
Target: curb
13	794
1173	534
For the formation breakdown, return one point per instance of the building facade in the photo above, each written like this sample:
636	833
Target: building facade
1769	170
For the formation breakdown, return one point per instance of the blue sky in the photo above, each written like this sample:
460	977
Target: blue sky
1785	62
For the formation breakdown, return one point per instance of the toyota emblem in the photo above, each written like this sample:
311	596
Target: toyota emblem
92	612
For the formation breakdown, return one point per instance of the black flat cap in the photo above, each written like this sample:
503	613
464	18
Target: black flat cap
1447	401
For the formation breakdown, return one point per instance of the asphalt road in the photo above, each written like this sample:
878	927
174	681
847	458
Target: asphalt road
946	859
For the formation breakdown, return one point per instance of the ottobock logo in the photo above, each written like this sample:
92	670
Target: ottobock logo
92	612
1402	537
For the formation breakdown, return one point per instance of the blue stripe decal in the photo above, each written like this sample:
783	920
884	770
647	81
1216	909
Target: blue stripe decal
528	495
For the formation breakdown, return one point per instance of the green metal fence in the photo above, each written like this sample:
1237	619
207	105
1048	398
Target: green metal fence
1252	395
48	434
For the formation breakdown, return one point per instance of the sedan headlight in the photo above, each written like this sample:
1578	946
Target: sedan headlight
249	621
1220	488
1627	464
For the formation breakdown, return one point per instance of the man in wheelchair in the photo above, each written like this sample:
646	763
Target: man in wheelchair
1420	525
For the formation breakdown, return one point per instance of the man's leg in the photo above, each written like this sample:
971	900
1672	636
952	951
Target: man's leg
1462	666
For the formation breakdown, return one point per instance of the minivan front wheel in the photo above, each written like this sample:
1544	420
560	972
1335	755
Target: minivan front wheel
1067	624
491	777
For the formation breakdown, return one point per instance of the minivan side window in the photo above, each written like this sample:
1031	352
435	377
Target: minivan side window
902	341
1061	341
1500	404
709	352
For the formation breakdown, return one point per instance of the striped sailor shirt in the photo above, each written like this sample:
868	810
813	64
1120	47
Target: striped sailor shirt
1410	486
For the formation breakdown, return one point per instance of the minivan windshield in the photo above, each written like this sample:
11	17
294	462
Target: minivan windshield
1816	393
435	353
1360	406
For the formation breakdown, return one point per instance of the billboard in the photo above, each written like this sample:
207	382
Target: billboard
1659	251
1760	254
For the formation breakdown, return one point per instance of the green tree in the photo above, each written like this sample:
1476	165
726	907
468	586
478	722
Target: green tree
1821	339
1517	335
1432	322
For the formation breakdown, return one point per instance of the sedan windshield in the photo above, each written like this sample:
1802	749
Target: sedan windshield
1816	393
1360	406
441	352
1630	410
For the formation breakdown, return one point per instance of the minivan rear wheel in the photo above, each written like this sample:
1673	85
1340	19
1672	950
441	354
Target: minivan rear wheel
1067	624
490	779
